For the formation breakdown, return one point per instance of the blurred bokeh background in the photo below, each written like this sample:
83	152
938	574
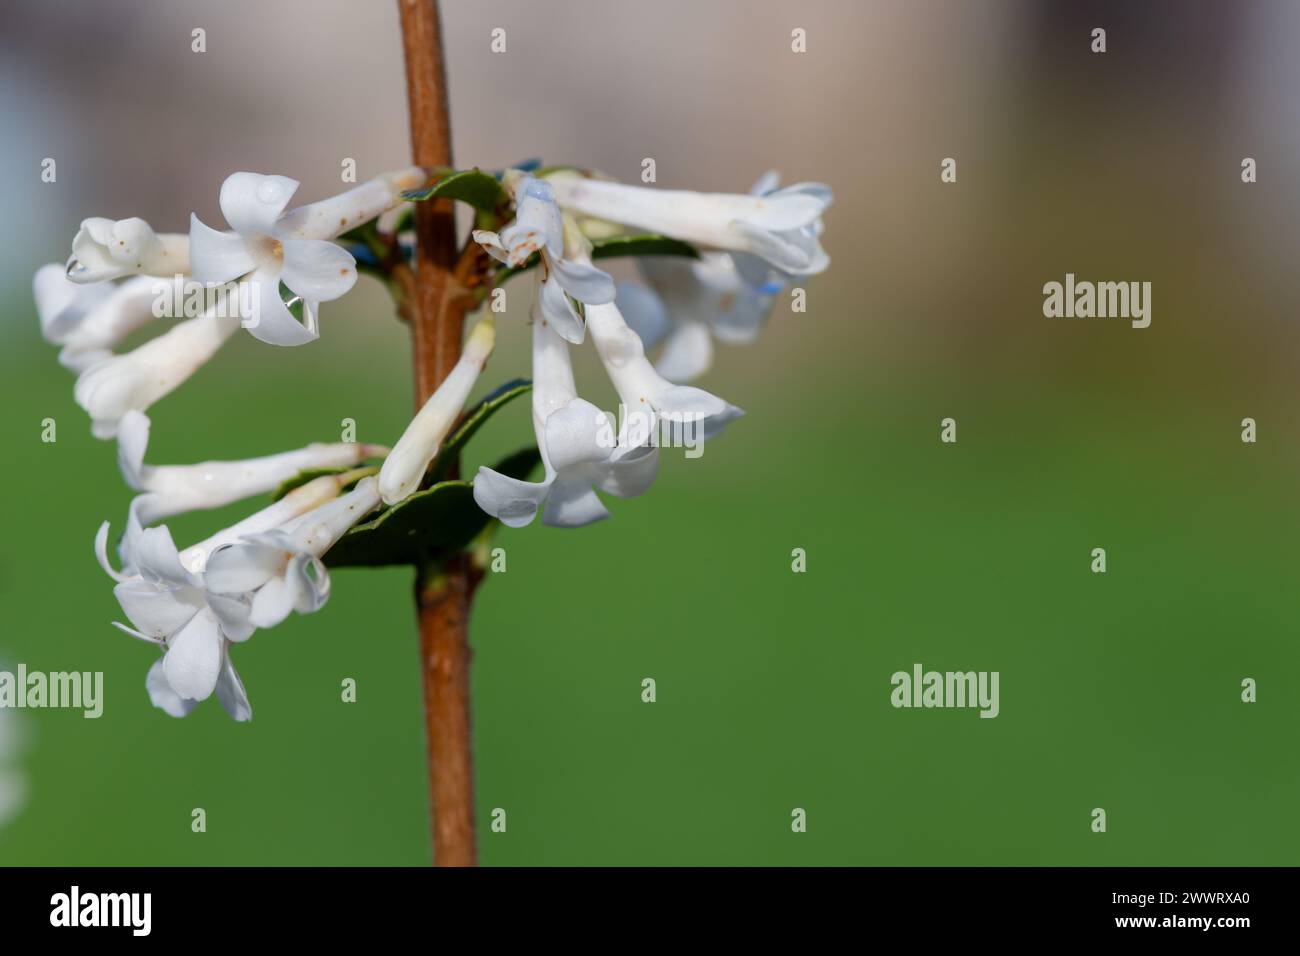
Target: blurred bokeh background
1119	691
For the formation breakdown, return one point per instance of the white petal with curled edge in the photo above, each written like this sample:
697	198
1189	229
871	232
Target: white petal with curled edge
231	693
193	659
318	270
768	245
313	584
559	312
132	441
584	281
242	567
631	471
156	611
217	256
252	202
574	435
139	636
644	312
275	600
573	503
101	554
155	555
512	502
274	323
163	696
687	354
684	402
232	614
766	183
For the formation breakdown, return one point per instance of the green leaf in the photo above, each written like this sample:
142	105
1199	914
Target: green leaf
472	421
430	525
643	245
481	190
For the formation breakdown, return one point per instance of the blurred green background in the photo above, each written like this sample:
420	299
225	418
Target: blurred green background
1119	691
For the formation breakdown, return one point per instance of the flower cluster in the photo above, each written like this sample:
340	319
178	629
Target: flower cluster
754	244
196	604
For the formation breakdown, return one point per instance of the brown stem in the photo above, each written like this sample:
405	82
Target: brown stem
442	594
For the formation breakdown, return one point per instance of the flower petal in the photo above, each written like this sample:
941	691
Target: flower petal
573	503
318	270
217	256
193	659
644	312
687	354
252	202
274	323
559	312
232	614
584	281
512	502
275	600
231	693
242	567
132	440
631	471
163	696
156	611
574	435
101	554
154	553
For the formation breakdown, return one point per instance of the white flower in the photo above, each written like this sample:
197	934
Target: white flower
647	396
110	388
167	490
163	593
332	217
579	453
406	463
313	269
689	303
281	568
539	227
88	320
782	226
107	249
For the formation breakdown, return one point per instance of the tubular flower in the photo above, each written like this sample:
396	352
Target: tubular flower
579	452
167	490
107	249
89	320
406	463
281	568
781	226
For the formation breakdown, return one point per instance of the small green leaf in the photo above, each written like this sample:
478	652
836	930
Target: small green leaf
472	421
481	190
429	526
643	245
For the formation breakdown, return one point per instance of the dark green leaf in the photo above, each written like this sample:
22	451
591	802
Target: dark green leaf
481	190
644	245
